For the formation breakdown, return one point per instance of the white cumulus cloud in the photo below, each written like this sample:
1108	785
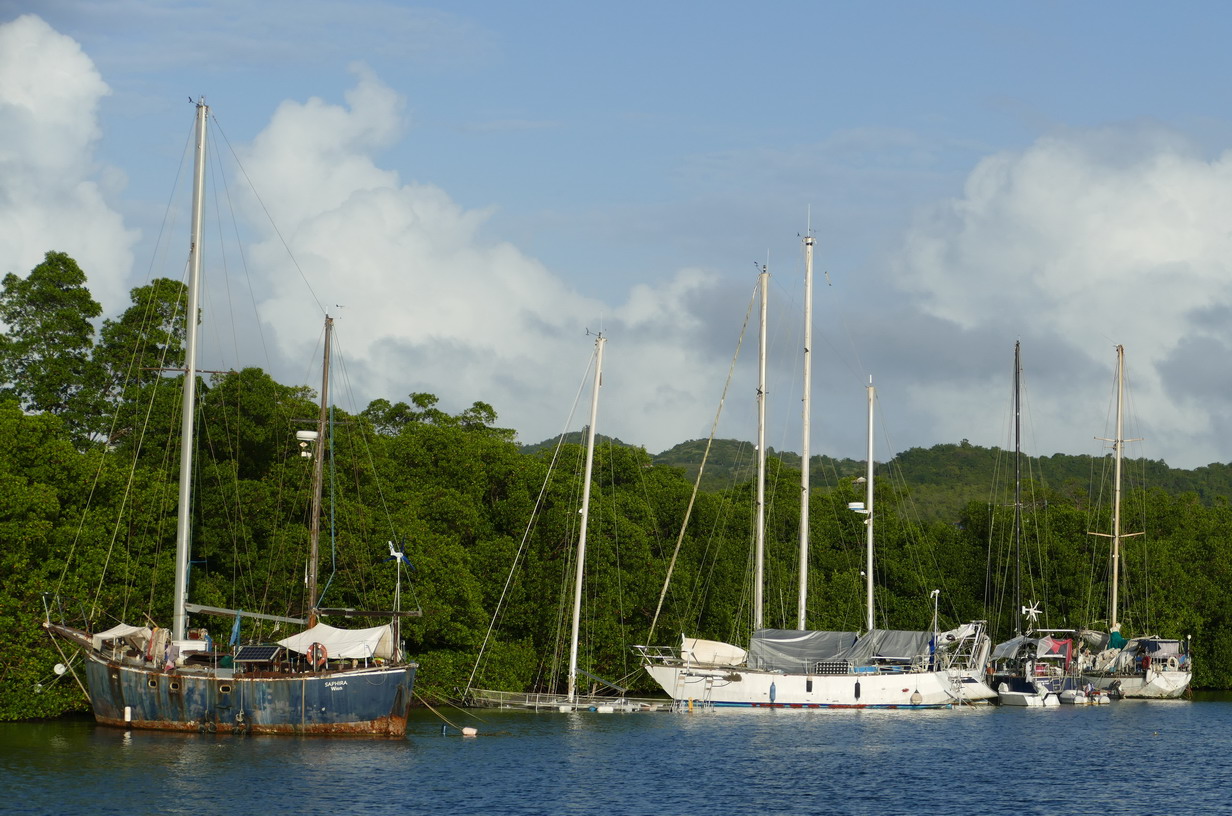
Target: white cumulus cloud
428	303
1083	241
53	193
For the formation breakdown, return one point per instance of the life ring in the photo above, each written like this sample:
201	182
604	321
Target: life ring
1174	664
317	655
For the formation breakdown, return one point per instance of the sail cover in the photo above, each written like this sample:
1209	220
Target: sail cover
796	650
353	644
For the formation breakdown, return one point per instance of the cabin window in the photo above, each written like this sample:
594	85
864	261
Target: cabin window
808	685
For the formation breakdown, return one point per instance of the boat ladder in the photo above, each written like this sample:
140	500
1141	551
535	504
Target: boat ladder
704	703
957	687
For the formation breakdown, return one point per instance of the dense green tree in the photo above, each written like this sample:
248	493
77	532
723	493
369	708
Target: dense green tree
45	352
148	339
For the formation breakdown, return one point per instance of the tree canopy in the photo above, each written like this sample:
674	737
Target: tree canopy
87	513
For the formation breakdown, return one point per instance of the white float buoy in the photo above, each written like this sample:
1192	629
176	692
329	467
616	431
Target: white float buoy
470	732
60	668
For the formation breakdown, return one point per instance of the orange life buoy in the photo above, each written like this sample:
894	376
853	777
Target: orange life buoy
317	655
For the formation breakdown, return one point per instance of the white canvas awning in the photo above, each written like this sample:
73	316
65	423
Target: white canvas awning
138	636
353	644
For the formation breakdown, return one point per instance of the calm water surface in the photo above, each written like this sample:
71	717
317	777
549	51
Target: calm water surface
1128	757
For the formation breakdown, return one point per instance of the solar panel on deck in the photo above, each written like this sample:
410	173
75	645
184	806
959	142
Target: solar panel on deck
256	654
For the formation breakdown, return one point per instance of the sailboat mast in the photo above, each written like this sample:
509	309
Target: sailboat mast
581	550
183	529
804	442
1017	490
868	505
318	471
1117	445
759	543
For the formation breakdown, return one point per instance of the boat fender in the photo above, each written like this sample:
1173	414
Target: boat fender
1173	664
317	655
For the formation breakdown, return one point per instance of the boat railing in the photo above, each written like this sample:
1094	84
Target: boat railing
550	701
658	654
486	698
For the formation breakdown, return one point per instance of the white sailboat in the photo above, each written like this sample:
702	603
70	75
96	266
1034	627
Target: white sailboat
1036	667
800	668
323	680
1146	667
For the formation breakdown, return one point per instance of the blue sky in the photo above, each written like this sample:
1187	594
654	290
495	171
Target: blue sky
478	183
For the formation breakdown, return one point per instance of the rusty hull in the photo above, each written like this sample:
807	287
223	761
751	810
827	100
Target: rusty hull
370	701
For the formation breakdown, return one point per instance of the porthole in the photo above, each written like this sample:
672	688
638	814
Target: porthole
225	688
175	685
152	683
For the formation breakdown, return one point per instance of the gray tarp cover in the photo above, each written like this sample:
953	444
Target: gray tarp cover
1156	647
795	650
1010	647
893	644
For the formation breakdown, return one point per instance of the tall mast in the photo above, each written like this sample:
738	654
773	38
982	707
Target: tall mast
804	443
581	553
1118	448
759	545
1017	490
318	469
183	529
1117	445
868	505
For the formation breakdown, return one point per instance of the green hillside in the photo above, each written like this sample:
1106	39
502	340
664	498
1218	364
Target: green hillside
942	480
